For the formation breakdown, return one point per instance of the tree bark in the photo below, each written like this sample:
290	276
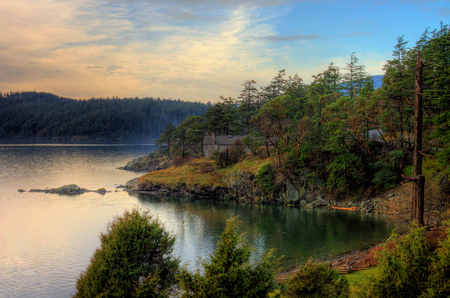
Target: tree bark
419	179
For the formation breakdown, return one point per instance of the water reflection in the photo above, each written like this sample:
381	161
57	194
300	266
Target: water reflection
295	233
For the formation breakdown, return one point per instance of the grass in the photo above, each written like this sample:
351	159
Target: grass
355	278
201	172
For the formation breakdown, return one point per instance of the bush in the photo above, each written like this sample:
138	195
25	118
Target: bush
403	270
229	157
318	280
205	168
220	158
236	152
439	280
265	178
178	161
134	260
228	272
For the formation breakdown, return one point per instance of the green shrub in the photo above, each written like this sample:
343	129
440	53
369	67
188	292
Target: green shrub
229	156
236	152
318	280
220	158
265	178
439	280
228	272
403	270
134	260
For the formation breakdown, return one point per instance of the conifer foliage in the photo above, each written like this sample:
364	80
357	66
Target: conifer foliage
134	260
318	280
229	272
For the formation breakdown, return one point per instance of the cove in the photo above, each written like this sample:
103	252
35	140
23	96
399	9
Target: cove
47	240
295	233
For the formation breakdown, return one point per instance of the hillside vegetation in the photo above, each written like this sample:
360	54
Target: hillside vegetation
44	116
350	140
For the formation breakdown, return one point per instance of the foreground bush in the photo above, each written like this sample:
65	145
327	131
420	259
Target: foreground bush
318	280
439	280
228	272
403	270
134	260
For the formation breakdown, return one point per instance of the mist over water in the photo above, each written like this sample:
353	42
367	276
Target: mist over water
46	240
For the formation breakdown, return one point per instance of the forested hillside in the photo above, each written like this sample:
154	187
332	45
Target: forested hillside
45	116
338	132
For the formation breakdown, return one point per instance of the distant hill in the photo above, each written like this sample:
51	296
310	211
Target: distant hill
44	116
377	81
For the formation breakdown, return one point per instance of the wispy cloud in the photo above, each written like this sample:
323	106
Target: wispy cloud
275	38
129	48
188	49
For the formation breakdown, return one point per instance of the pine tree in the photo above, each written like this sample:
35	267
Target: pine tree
355	78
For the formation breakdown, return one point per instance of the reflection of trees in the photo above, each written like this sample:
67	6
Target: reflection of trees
296	233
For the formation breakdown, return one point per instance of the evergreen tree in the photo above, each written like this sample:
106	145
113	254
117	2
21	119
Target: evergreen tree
167	137
355	78
249	96
228	271
398	89
134	260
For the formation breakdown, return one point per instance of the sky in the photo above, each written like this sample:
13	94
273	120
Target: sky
195	50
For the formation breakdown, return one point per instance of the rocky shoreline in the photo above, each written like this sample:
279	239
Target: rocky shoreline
290	196
147	164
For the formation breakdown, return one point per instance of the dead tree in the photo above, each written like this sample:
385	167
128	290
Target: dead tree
419	180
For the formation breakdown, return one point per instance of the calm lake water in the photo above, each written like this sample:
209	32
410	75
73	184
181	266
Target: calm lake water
46	240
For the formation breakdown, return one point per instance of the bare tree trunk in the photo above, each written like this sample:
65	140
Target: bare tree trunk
419	179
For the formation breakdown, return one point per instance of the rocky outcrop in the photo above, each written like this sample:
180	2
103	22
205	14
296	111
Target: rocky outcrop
147	164
70	189
176	190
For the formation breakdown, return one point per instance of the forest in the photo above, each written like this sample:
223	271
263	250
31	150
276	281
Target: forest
337	130
44	116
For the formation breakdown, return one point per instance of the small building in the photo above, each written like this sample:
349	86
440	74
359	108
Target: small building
214	143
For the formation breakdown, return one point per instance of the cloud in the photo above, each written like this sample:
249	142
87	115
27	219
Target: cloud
130	48
275	38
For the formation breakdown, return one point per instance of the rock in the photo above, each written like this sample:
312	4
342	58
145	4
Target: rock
320	202
392	196
21	190
310	206
290	194
147	164
101	191
70	189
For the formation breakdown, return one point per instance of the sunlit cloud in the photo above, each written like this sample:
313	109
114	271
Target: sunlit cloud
98	50
187	49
